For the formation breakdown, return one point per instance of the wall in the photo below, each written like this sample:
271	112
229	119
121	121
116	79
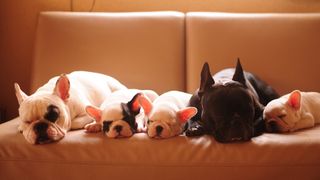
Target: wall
18	20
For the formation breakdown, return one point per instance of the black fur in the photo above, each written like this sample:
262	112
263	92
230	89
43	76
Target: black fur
230	105
52	113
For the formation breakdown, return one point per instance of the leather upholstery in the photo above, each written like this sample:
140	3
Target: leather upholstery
142	50
83	156
282	49
147	50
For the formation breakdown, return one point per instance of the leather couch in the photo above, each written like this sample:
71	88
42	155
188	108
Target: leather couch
165	51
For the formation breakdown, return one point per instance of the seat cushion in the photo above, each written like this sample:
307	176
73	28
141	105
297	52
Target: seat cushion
282	49
143	50
81	155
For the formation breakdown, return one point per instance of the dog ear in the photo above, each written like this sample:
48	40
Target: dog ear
94	112
21	96
206	78
187	113
62	87
294	100
239	75
146	104
133	104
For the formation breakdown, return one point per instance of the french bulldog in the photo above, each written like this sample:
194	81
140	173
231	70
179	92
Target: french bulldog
291	112
119	115
168	114
59	105
230	105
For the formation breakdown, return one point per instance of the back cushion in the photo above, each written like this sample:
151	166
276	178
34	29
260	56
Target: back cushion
142	50
282	49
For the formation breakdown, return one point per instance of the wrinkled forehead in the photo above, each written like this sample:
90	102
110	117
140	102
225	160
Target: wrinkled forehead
275	106
33	109
164	115
228	94
113	112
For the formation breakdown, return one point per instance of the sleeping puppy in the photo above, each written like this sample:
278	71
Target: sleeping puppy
119	115
59	105
168	114
291	112
230	105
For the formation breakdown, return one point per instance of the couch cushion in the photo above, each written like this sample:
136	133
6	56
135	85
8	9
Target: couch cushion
142	49
81	155
283	49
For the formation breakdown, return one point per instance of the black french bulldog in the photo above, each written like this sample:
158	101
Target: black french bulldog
230	105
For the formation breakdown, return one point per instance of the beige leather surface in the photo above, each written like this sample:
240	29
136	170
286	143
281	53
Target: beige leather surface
143	50
282	49
81	155
146	50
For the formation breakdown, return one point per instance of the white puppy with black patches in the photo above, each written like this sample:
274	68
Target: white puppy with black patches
119	115
291	112
59	105
168	114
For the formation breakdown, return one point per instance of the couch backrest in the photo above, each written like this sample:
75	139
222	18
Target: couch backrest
143	50
283	49
166	50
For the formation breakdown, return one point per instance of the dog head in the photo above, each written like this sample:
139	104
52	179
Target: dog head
228	107
164	121
118	119
45	116
281	115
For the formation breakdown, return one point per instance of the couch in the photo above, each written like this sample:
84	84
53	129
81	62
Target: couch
165	51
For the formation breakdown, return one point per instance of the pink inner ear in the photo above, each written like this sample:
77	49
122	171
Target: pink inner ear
94	112
185	114
294	100
63	86
135	104
146	104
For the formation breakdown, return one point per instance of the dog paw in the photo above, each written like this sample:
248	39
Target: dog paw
195	131
93	127
142	129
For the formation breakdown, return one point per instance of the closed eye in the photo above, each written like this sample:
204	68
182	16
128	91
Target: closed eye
149	121
282	116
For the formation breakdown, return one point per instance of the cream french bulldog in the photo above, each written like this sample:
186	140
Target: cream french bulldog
120	115
59	105
168	114
291	112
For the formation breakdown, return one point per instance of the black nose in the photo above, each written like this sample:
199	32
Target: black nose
159	129
273	126
41	132
118	128
40	128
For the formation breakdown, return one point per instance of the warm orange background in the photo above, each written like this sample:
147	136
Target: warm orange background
18	20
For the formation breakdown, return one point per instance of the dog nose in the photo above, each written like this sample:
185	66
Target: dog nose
118	128
273	126
40	128
41	132
159	129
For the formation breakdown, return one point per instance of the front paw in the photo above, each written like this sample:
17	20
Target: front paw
93	127
195	131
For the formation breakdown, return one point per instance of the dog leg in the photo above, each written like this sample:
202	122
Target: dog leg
93	127
80	122
195	129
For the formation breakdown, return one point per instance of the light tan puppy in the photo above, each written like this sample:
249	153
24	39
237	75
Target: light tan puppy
59	105
291	112
168	114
